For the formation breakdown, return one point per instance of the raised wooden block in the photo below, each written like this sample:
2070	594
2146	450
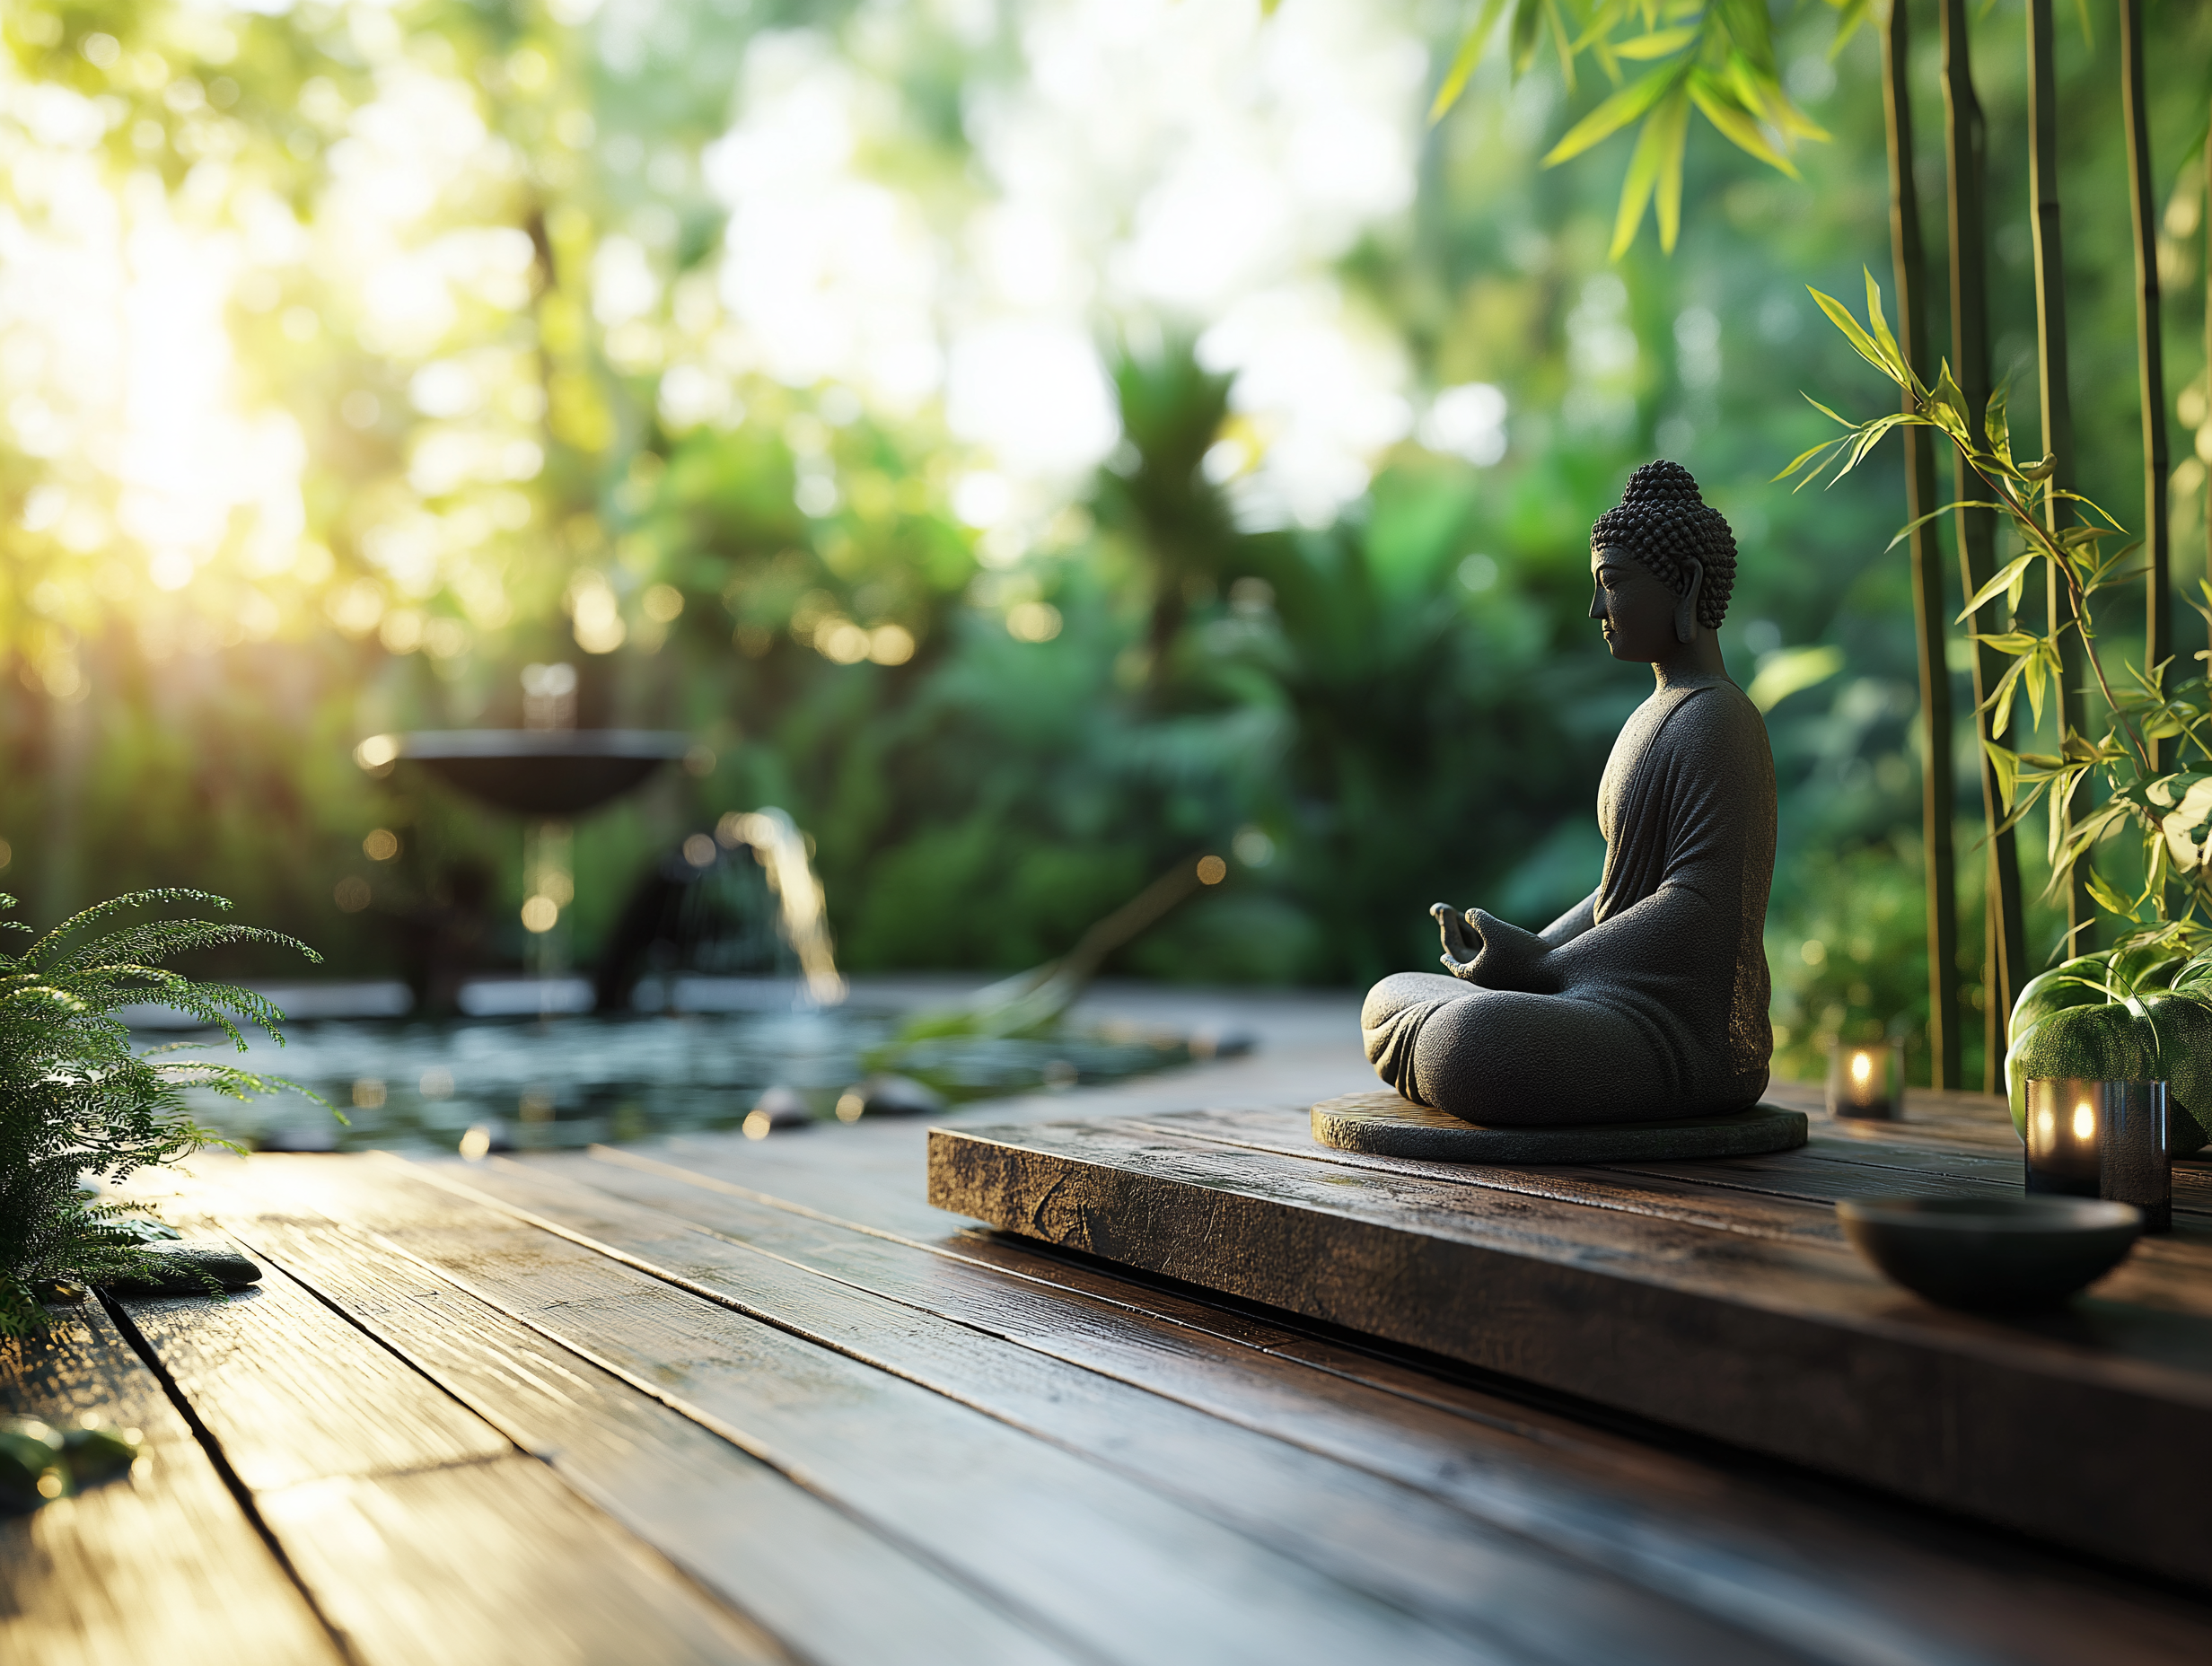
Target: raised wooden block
1714	1296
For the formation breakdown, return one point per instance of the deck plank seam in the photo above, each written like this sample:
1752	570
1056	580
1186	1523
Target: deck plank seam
243	1495
1012	1608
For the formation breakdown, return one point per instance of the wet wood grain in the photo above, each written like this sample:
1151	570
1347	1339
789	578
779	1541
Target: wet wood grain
161	1566
1054	1538
764	1543
417	1529
493	1561
1841	1578
1370	1529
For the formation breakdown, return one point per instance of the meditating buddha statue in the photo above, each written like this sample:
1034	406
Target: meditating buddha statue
1647	999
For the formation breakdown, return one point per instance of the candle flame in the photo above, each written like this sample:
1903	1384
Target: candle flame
2085	1121
1862	1067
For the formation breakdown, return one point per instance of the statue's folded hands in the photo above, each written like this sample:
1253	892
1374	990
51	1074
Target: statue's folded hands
1499	956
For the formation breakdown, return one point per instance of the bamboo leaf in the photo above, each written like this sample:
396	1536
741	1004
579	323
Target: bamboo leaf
1615	113
2001	717
1736	124
1996	586
2106	898
1994	425
1850	16
1760	91
1561	41
1659	43
1806	456
2009	642
2035	673
1528	22
1606	17
1464	60
1841	317
1880	326
1645	168
1672	122
1946	396
2005	765
1906	530
1748	30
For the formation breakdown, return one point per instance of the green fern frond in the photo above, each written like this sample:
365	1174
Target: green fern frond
76	1097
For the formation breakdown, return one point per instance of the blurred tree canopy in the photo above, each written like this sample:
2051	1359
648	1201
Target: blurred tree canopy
1029	444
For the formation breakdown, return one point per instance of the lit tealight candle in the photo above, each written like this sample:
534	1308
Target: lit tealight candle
2102	1139
1866	1082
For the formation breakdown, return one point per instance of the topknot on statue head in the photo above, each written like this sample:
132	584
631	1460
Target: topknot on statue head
1664	522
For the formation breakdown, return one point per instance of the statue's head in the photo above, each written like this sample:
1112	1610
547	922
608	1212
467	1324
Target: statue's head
1662	563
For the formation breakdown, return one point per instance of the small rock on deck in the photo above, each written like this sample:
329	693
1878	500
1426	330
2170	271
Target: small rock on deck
714	1399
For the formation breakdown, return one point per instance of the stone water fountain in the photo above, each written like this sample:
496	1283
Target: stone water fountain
549	772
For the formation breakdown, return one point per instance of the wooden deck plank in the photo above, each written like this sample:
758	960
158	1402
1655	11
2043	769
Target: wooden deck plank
493	1561
281	1381
744	1530
1380	1533
1785	1346
1053	1536
1842	1580
161	1566
418	1530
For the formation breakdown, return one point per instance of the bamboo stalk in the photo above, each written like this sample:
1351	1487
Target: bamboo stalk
1938	774
2005	936
2081	912
2150	355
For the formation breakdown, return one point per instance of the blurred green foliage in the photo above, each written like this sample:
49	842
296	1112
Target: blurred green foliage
1403	705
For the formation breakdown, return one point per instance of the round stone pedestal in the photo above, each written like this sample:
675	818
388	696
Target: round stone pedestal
1384	1125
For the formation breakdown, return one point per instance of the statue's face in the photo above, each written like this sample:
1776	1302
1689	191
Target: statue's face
1634	607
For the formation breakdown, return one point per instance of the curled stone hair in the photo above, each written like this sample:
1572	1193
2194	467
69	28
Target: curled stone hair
1663	523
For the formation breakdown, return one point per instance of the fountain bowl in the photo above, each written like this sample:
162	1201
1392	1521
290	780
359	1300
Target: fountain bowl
532	772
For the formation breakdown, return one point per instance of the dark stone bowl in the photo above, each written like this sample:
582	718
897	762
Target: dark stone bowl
534	772
1993	1255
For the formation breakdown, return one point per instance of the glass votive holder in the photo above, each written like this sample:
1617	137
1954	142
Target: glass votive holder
1867	1080
2102	1139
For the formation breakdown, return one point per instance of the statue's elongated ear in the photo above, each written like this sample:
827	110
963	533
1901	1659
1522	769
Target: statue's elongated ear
1686	609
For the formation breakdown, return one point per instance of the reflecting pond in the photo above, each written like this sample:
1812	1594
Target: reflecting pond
557	1083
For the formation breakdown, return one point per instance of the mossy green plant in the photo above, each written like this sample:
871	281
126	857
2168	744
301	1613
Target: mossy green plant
78	1098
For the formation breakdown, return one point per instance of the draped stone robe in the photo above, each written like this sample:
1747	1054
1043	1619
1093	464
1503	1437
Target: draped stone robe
1648	999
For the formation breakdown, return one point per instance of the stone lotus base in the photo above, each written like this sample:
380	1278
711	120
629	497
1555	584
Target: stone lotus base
1385	1124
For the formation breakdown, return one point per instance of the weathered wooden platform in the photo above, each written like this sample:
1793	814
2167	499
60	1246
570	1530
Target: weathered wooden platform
1716	1296
721	1400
